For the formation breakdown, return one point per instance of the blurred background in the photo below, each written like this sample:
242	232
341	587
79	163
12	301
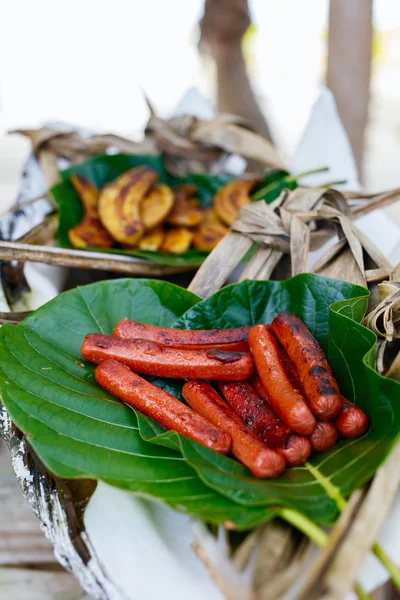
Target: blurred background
86	63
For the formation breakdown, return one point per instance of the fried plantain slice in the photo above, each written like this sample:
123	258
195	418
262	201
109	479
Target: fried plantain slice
156	205
231	197
87	192
152	239
177	240
89	232
210	232
186	211
120	204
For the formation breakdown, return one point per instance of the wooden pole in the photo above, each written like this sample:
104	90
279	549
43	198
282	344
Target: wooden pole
349	66
222	27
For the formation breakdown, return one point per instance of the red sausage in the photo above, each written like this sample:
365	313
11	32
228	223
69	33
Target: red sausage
234	339
291	370
297	450
317	380
254	412
324	436
246	446
152	359
352	421
261	419
120	381
287	402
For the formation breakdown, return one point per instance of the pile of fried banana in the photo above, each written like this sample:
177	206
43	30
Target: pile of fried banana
136	212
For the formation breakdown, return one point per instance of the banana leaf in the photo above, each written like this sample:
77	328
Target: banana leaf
78	430
103	169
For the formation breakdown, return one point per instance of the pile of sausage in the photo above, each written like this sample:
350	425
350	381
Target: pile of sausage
278	399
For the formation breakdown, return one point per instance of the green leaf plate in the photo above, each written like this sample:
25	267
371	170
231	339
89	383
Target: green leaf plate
103	169
79	430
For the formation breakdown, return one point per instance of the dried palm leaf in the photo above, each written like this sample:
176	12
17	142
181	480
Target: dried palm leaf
384	320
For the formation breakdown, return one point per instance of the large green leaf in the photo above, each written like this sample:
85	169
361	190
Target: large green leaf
79	430
103	169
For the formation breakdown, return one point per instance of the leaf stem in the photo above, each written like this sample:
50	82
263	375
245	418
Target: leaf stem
388	563
331	183
259	195
305	525
361	595
306	173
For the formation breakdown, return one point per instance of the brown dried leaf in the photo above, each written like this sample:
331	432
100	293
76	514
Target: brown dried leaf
237	140
262	264
171	138
44	233
343	266
217	267
302	199
394	370
384	320
299	245
279	557
259	222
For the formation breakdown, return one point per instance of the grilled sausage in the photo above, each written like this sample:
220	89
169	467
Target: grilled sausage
317	379
324	436
120	381
234	339
261	418
287	402
152	359
352	421
246	446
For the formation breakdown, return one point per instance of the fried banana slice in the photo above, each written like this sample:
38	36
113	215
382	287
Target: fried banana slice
210	232
231	197
120	204
156	205
152	239
89	232
186	211
177	240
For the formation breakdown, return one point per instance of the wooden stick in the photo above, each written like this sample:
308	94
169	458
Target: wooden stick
13	317
83	259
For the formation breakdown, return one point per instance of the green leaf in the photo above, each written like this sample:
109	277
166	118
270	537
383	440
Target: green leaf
272	191
268	182
103	169
79	430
